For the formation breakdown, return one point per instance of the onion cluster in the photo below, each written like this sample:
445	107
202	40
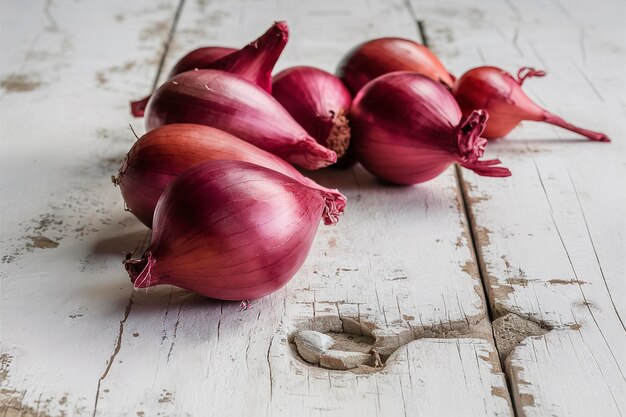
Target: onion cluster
232	218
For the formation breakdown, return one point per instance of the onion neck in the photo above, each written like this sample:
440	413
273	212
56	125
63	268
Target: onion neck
255	61
310	155
472	146
138	107
557	121
334	205
469	143
140	270
338	139
334	201
487	169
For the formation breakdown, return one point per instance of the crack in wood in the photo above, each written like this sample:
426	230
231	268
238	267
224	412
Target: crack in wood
474	239
569	257
499	314
168	42
116	350
587	80
118	341
595	252
54	26
422	31
169	353
478	237
269	366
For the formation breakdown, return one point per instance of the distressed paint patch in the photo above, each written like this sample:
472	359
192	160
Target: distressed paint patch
510	330
19	83
566	282
42	242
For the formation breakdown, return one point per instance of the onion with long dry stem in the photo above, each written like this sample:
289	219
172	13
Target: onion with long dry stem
160	155
407	129
501	95
231	230
230	103
254	62
381	56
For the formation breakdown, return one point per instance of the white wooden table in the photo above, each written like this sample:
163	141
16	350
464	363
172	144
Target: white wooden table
499	296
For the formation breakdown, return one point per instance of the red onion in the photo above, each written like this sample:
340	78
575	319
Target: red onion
318	101
407	129
381	56
162	154
254	62
496	91
230	103
231	230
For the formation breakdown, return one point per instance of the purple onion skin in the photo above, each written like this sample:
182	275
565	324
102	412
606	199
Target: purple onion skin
230	103
318	101
254	62
230	230
407	129
162	154
200	58
377	57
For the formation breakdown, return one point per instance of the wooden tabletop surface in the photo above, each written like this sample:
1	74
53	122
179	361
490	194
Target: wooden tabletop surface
496	296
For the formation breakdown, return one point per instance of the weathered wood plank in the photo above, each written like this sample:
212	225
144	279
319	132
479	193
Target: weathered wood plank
552	237
67	71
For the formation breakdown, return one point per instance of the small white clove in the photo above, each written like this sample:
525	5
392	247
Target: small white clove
311	345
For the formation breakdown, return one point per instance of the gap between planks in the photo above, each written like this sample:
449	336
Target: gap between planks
474	245
166	45
473	238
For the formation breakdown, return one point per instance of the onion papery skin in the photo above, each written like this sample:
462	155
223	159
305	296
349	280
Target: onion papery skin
381	56
254	62
318	101
501	95
230	230
201	58
408	129
230	103
160	155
